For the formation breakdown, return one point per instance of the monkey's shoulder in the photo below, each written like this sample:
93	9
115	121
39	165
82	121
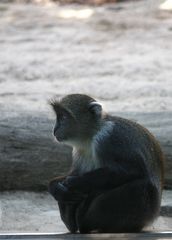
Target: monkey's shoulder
122	131
122	139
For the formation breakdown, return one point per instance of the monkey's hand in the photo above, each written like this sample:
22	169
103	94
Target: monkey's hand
88	181
62	194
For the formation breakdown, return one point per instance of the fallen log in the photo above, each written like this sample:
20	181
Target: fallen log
30	157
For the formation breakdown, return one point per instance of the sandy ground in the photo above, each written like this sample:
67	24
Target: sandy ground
38	212
119	53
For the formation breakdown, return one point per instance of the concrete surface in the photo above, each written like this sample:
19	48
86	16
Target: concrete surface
38	212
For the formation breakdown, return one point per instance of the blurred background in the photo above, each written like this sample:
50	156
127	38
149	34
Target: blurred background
119	52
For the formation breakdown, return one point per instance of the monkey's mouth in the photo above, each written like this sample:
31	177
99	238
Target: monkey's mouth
56	138
59	138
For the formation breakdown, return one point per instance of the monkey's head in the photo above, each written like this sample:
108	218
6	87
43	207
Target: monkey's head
78	118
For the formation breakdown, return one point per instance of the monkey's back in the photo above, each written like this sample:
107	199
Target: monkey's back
132	146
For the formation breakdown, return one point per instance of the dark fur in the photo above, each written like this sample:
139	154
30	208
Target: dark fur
124	193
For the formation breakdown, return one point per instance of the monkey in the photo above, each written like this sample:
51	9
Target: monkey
116	179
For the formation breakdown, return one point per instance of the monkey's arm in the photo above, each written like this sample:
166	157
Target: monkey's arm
62	193
102	178
68	202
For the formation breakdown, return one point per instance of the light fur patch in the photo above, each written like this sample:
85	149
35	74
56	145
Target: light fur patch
84	156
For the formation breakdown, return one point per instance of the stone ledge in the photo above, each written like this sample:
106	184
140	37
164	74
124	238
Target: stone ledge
128	236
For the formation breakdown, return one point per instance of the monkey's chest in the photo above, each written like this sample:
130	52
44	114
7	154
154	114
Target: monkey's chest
83	163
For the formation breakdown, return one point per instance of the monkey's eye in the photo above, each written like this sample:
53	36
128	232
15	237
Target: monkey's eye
63	117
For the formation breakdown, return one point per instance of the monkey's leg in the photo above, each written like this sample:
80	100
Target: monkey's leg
124	209
67	211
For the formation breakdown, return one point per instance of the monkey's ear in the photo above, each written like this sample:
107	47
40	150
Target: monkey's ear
95	108
56	106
